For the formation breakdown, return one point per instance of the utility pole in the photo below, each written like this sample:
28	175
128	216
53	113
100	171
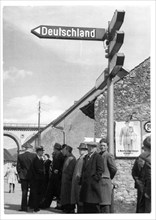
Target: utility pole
39	135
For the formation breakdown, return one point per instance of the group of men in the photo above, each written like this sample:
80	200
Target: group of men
79	186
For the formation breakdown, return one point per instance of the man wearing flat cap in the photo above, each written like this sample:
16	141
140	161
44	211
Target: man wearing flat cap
75	191
24	169
141	173
92	170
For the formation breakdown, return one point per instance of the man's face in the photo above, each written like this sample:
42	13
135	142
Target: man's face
91	149
40	153
103	146
82	151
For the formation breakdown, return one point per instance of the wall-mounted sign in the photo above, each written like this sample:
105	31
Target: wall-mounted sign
146	129
69	33
127	139
147	126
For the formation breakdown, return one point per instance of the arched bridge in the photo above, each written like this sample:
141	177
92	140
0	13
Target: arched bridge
20	132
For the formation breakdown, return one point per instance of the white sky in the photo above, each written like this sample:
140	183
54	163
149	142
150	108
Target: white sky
59	72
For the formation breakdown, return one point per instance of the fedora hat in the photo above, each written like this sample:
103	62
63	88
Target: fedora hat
57	146
83	146
91	144
39	148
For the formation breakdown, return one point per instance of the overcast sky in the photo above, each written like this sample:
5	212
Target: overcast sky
59	72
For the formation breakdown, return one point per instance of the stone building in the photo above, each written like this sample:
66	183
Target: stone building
131	99
131	95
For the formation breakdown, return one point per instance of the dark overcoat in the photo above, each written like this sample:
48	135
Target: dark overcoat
91	175
38	181
141	172
108	174
67	174
24	165
54	185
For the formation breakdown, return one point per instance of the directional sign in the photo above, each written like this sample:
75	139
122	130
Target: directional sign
69	33
101	81
116	43
116	22
116	63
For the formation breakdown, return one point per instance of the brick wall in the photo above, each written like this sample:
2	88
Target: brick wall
132	94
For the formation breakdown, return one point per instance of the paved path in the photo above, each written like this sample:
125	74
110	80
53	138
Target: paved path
12	202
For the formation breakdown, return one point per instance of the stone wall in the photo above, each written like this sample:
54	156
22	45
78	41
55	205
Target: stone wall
132	94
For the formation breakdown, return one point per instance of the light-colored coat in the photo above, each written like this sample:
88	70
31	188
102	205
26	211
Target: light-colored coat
75	192
108	174
11	175
66	184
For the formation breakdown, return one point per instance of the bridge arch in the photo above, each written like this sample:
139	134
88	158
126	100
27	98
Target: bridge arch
15	138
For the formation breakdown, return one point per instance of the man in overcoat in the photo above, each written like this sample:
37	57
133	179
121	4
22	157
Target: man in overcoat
141	172
92	170
66	183
108	174
75	191
24	169
47	163
38	178
54	184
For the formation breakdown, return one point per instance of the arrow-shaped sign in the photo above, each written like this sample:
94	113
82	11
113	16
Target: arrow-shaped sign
70	33
116	63
116	43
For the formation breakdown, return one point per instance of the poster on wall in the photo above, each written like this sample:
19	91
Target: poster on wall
128	138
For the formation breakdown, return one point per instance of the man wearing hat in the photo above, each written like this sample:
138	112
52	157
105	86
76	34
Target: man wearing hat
54	184
108	174
75	191
92	170
141	173
24	169
66	182
38	178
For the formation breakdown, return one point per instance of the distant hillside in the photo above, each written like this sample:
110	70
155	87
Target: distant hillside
7	156
12	151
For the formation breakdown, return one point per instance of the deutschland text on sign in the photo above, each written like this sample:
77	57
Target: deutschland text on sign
72	33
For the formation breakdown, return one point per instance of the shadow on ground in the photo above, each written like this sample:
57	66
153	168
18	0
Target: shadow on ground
12	206
15	207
